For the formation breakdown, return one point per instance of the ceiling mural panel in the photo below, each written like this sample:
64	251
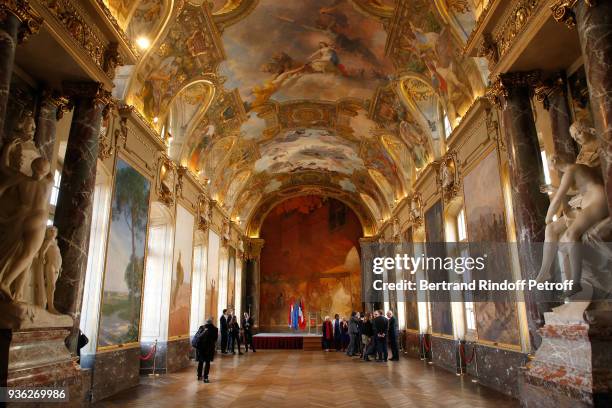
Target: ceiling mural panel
320	49
352	96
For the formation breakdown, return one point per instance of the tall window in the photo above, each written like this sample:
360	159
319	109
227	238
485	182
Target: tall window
57	178
546	169
448	128
468	297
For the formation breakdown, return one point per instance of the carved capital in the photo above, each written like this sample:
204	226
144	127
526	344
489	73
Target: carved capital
30	21
504	84
253	248
55	100
548	87
88	90
563	11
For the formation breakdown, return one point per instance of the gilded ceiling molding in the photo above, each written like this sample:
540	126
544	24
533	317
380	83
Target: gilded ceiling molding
190	49
29	19
232	12
478	27
117	28
563	11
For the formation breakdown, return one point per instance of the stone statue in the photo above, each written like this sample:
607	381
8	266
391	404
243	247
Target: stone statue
46	268
588	208
23	216
586	137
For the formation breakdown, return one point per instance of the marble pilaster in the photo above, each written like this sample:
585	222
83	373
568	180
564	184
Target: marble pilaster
51	109
512	93
552	93
8	43
74	205
594	26
253	253
17	22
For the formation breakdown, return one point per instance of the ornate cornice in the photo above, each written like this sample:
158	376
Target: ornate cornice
563	11
29	19
115	24
82	30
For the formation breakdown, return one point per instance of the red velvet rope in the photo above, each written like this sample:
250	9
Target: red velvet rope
462	352
151	352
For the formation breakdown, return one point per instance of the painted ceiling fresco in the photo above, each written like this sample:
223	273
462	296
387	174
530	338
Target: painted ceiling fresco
266	98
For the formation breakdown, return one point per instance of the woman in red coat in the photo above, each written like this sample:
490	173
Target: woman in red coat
328	334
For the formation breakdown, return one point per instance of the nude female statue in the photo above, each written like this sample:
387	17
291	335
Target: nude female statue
47	268
590	207
23	212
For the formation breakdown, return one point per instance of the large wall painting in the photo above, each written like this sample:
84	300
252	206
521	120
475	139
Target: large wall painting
125	258
212	275
180	289
441	317
231	278
411	310
485	214
311	255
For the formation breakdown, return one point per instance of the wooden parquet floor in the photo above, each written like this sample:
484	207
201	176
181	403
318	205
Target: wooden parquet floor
295	378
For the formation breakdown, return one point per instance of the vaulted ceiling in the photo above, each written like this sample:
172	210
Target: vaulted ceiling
265	99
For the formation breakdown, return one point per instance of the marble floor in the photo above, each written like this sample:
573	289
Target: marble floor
316	379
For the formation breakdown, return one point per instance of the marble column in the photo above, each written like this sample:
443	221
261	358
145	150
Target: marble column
74	205
552	93
512	93
51	109
594	26
17	22
253	253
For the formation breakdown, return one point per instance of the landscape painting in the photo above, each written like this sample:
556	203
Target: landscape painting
180	286
485	215
441	317
310	257
125	258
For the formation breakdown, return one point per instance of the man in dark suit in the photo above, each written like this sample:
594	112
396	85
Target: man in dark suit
205	347
224	327
381	327
337	332
393	336
247	326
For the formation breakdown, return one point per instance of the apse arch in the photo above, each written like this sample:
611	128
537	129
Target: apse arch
266	204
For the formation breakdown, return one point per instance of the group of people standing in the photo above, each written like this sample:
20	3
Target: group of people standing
234	333
205	340
363	335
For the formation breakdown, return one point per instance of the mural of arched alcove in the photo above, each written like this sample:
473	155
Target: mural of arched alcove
310	256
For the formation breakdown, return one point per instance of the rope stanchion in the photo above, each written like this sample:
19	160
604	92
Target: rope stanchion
150	354
468	361
427	346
